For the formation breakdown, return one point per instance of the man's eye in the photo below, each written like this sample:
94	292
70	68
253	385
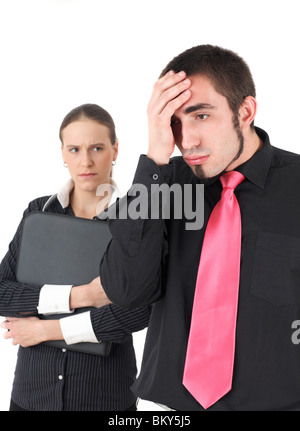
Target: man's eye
73	150
202	116
174	121
97	148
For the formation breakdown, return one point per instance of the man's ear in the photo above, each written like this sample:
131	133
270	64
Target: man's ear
247	111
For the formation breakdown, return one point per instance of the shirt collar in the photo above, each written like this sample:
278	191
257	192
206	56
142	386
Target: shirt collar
63	194
256	169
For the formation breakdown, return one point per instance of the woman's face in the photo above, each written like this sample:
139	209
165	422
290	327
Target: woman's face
88	152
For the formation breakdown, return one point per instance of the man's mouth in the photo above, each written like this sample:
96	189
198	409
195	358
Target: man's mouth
195	160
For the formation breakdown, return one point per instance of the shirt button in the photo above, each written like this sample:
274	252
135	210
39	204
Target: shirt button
64	350
60	377
155	177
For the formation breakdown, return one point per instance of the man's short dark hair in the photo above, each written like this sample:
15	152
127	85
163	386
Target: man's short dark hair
228	73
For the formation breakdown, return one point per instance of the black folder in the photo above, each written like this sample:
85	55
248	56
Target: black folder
58	249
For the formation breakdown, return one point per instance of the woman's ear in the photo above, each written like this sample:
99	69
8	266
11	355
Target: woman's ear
62	155
116	150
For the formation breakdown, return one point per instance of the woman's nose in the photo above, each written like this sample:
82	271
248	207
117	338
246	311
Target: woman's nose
86	159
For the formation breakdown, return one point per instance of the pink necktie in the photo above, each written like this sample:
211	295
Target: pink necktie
211	345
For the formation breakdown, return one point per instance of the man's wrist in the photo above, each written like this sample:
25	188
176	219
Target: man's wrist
159	159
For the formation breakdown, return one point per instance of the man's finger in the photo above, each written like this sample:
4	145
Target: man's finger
173	93
176	103
161	88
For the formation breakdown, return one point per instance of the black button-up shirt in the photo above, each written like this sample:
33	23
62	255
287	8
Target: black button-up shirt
160	261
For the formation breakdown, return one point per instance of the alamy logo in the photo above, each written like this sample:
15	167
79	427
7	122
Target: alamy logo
296	334
159	201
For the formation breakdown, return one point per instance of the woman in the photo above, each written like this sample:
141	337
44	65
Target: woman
49	378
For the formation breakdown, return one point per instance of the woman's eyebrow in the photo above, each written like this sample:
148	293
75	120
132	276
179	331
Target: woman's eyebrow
97	144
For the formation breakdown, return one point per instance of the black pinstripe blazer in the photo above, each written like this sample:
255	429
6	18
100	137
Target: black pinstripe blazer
51	379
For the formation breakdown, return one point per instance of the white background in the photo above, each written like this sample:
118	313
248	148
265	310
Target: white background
58	54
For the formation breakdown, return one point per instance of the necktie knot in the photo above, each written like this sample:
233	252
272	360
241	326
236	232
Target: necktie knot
231	179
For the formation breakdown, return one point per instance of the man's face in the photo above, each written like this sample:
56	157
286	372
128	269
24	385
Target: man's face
207	132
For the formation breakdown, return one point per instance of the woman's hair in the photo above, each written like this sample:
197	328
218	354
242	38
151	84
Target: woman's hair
228	73
91	112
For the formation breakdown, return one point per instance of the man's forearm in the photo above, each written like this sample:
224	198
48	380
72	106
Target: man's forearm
131	267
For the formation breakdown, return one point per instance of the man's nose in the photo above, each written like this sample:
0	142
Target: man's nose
188	138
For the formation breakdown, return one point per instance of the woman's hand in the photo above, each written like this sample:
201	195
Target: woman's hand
89	295
29	331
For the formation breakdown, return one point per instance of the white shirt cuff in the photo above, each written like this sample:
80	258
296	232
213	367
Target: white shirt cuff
54	299
78	329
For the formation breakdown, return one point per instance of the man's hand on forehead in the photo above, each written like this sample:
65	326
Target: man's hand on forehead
169	93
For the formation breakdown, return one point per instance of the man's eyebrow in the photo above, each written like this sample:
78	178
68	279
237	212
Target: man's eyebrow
198	107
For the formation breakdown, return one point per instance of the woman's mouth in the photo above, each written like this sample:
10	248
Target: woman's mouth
87	175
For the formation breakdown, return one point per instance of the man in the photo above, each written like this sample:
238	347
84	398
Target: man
204	102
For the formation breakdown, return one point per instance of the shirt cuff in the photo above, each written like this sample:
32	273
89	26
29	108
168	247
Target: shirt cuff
148	172
54	299
78	329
